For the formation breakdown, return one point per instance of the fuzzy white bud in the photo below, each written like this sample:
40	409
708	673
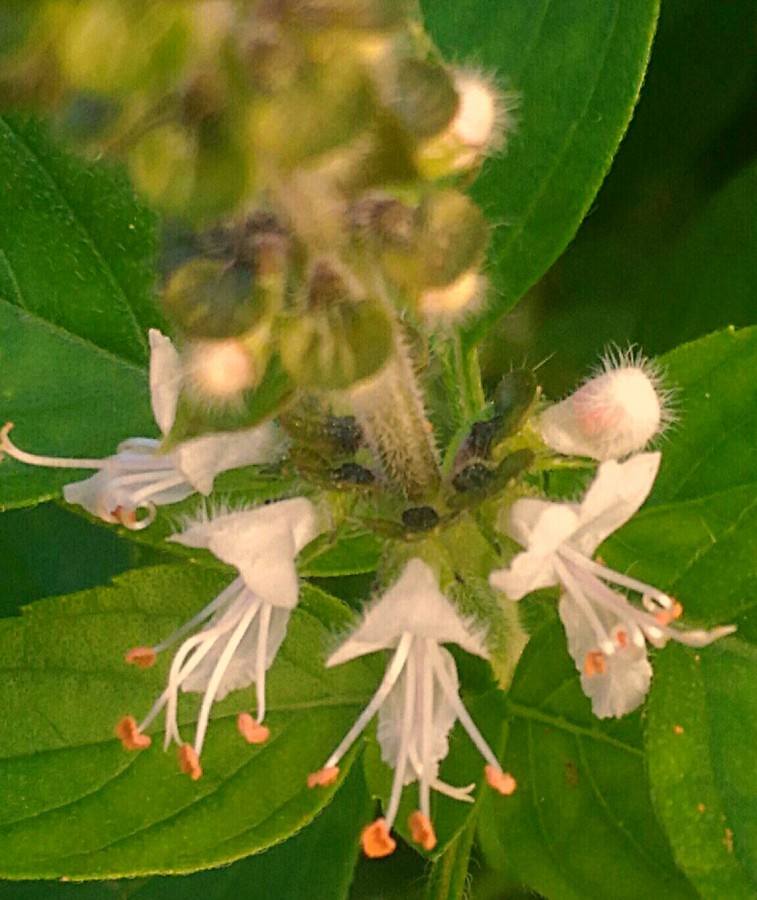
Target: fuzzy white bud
451	302
615	413
220	370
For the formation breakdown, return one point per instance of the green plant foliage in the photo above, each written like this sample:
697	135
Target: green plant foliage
581	823
79	805
579	69
698	537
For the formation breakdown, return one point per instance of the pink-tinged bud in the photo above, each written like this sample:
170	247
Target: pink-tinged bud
615	413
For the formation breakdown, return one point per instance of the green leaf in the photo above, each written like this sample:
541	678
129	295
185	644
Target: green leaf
340	554
577	69
580	823
76	804
697	538
76	247
75	304
318	861
707	276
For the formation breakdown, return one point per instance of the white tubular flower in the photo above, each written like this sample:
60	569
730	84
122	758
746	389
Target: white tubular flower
129	486
242	629
614	414
607	634
417	701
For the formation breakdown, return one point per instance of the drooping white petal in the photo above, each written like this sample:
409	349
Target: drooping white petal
165	379
624	683
616	494
442	720
413	604
202	459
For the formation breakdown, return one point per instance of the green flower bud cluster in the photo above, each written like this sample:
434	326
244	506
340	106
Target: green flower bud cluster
333	143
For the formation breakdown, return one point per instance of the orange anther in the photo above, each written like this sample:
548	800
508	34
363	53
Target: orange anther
421	830
323	777
125	517
376	840
502	782
130	736
595	663
253	732
678	729
144	657
621	639
189	762
677	610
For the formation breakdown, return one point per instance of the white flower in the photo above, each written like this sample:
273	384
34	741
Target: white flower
129	486
417	701
607	635
615	413
242	628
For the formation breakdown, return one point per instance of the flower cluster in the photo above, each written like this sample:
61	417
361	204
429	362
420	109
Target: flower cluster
322	307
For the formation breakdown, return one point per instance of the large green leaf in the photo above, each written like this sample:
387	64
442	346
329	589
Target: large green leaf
697	538
580	823
76	804
577	68
75	304
316	862
75	246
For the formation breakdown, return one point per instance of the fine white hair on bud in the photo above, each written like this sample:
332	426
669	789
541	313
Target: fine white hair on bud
219	370
484	114
449	304
616	412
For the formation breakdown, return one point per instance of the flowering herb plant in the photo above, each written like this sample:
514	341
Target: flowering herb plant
381	585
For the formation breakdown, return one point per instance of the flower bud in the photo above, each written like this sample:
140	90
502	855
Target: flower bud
208	298
335	347
479	125
615	413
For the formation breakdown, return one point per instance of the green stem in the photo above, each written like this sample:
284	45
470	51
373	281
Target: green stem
449	875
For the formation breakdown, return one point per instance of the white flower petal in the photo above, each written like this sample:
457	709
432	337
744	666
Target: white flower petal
202	458
615	495
165	379
414	604
625	682
443	718
88	494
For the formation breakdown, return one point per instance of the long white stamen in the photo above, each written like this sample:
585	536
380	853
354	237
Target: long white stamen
618	578
219	671
151	489
391	675
226	595
261	661
460	711
55	462
457	793
571	575
426	685
179	672
406	739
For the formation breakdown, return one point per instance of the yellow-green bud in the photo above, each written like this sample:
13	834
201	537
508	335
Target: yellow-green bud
335	347
208	298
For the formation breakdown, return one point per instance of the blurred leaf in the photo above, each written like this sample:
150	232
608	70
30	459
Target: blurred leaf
708	276
697	538
580	823
577	69
77	804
